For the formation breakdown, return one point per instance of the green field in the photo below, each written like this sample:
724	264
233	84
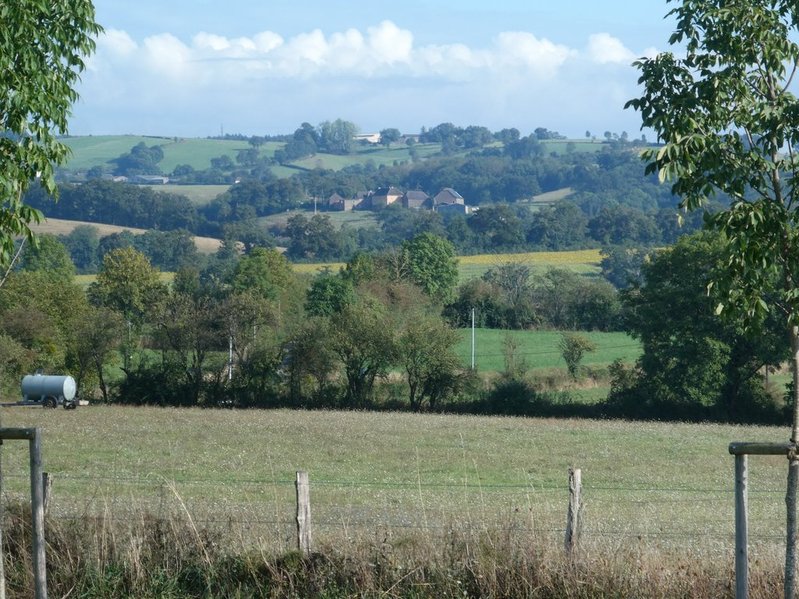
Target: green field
377	155
96	150
398	474
539	349
93	150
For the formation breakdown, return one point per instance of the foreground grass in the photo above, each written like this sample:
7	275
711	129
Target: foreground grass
434	498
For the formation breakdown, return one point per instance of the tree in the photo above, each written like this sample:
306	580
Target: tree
621	265
573	347
426	350
48	255
98	333
694	364
313	238
83	243
432	265
364	342
128	284
328	295
42	54
729	122
264	271
337	137
389	136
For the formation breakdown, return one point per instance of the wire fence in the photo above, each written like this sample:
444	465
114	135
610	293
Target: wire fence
259	509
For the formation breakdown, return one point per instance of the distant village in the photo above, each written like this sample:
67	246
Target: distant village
445	201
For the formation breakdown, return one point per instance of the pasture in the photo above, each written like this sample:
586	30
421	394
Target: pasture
539	349
400	475
94	150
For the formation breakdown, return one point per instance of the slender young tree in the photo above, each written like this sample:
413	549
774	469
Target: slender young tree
728	121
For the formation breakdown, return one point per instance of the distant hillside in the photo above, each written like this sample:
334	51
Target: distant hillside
100	150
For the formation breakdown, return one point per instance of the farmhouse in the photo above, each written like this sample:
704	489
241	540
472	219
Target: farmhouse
449	201
448	196
337	203
385	196
416	200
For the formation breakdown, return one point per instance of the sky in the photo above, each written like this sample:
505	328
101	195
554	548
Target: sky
196	68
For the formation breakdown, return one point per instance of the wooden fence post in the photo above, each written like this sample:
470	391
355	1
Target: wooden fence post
575	506
303	513
37	509
741	528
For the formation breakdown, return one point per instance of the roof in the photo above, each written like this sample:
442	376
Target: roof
388	191
449	196
418	196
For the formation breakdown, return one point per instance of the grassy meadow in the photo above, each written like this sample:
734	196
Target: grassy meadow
540	351
654	485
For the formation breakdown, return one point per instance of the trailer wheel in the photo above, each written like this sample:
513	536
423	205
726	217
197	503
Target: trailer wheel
50	402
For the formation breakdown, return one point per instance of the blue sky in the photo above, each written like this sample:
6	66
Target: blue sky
194	67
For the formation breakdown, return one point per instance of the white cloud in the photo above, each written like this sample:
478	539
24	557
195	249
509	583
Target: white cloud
390	44
603	48
116	43
167	56
276	82
518	48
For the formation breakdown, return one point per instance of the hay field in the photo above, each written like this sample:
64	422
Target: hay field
470	267
57	226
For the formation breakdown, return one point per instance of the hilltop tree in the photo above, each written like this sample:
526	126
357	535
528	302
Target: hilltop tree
389	136
42	52
337	137
729	124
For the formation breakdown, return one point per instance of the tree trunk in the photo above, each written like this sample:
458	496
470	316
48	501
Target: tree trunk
793	476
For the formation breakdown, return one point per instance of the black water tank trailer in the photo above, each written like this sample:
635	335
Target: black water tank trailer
49	390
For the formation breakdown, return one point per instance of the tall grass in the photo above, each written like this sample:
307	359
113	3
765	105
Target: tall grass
100	557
